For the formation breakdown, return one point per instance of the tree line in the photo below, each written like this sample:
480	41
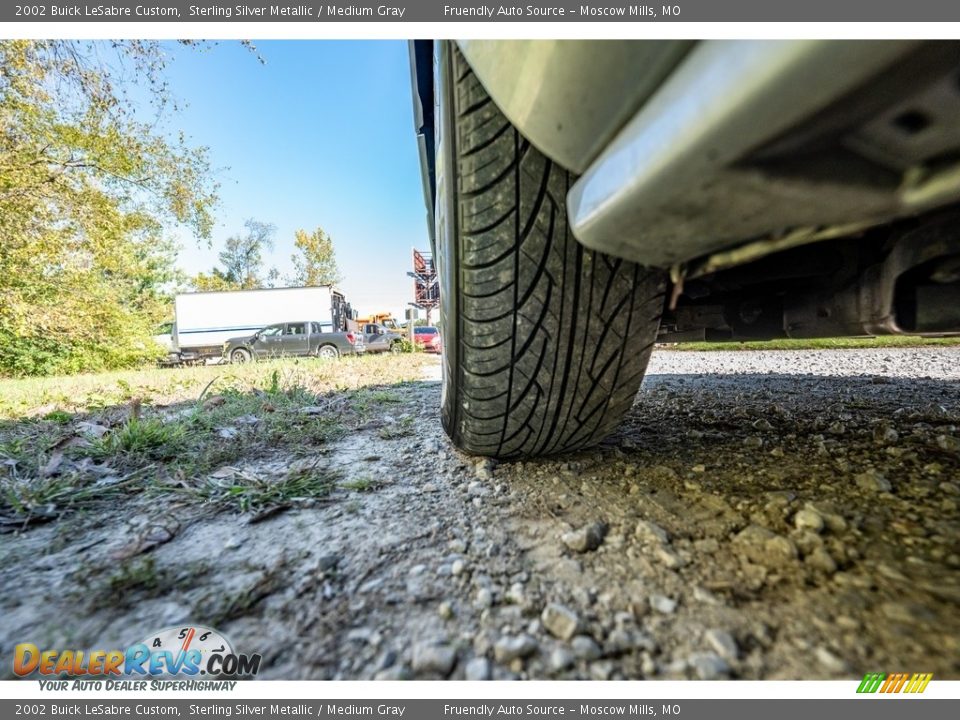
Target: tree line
242	261
90	189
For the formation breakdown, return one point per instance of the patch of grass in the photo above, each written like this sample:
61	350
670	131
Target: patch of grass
42	498
367	401
28	496
401	428
58	416
14	450
384	396
156	386
140	575
172	428
138	578
816	344
247	492
317	431
149	438
361	484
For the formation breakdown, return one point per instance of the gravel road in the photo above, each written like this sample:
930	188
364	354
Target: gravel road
788	515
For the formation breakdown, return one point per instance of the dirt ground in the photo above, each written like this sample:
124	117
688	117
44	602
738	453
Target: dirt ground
789	515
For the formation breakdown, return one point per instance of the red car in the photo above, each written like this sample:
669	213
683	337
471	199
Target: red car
428	338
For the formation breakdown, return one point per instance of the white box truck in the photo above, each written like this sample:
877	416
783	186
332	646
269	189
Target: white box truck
205	320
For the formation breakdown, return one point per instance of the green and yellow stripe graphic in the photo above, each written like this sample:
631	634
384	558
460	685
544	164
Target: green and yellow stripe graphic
894	682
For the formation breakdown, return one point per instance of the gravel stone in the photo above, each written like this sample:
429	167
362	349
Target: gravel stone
313	410
669	558
585	539
457	545
872	481
585	648
885	435
514	647
708	666
808	520
723	644
829	661
663	604
601	670
477	668
561	659
560	621
948	443
821	560
516	595
619	641
395	672
483	470
764	546
430	659
484	598
650	533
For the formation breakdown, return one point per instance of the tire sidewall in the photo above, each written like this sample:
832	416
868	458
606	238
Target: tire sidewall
446	258
241	356
331	354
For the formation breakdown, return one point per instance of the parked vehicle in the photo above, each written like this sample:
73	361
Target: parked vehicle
428	338
205	320
378	338
384	318
293	339
592	197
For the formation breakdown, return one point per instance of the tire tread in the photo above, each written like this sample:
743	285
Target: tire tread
552	338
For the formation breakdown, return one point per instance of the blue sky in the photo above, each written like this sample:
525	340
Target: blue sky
322	134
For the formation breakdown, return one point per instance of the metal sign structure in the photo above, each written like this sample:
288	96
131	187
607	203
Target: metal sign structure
426	286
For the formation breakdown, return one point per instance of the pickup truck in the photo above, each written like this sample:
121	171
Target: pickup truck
291	339
378	338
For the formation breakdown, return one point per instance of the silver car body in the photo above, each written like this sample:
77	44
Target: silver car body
686	149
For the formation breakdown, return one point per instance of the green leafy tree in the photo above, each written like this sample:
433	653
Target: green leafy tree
314	262
241	260
87	190
214	282
242	257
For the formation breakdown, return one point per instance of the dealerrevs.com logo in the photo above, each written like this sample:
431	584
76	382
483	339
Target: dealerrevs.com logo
184	651
888	683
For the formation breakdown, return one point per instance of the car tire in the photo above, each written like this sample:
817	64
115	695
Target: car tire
396	347
241	356
546	341
328	352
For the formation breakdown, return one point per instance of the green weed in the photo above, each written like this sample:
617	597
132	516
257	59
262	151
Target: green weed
247	492
360	484
399	429
148	438
58	416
